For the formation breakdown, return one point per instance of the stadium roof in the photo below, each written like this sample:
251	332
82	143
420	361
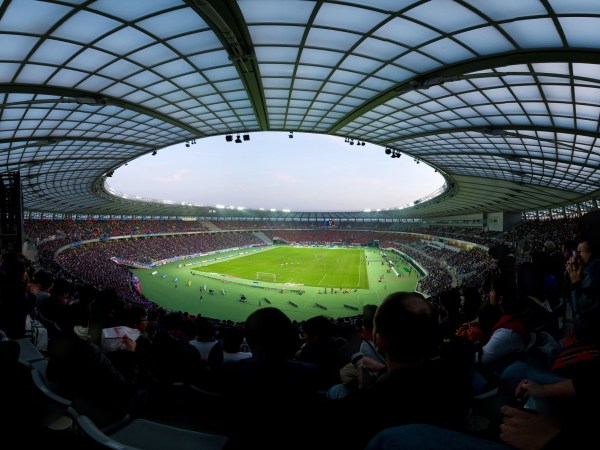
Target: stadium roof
503	98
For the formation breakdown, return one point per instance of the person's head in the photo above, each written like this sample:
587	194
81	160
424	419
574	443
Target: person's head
505	295
206	329
14	268
567	246
584	251
44	279
76	315
318	327
470	302
588	231
135	317
405	327
368	315
62	289
270	333
232	339
487	316
450	302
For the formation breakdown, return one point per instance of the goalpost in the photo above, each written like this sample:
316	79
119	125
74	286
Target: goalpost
266	276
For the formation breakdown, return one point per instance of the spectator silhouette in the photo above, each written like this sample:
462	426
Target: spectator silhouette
16	295
575	428
176	359
272	381
418	385
324	348
86	374
233	337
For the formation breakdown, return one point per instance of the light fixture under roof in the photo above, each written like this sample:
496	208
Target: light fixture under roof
97	101
494	132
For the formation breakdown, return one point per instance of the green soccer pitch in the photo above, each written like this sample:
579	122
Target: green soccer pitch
301	281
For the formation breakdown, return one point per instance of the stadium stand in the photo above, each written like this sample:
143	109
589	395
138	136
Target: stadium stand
502	101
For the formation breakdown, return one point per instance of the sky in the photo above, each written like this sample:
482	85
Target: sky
310	172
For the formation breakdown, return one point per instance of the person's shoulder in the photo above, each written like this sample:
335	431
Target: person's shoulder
594	266
239	365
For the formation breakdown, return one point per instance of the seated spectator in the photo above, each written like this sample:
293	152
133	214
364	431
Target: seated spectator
208	346
478	331
584	273
566	419
470	302
106	311
367	345
176	360
450	317
17	296
135	317
19	413
509	338
417	387
580	350
232	338
45	281
269	381
538	310
324	348
86	375
52	311
349	372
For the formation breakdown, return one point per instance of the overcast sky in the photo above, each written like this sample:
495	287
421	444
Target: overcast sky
307	173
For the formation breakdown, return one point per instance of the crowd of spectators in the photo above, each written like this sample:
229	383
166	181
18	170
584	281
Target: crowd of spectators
323	237
445	267
420	380
76	230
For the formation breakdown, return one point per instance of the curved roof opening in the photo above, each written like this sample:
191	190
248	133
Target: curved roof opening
270	170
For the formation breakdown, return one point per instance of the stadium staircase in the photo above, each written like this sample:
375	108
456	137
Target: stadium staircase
263	237
210	226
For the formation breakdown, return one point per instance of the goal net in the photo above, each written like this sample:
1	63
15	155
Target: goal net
266	276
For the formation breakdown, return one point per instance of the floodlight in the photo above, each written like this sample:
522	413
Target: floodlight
229	138
246	137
